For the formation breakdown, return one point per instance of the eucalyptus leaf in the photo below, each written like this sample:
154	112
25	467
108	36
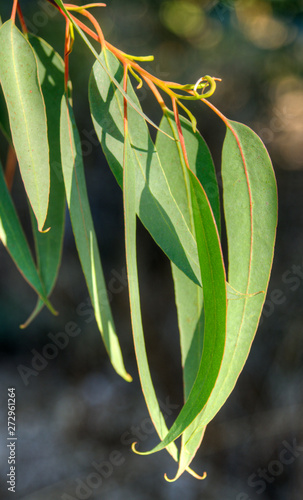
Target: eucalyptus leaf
156	205
26	109
188	295
49	244
215	304
250	209
84	232
130	167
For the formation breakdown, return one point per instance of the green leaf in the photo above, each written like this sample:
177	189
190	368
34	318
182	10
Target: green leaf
49	244
130	164
22	92
85	237
200	162
189	302
250	208
188	295
215	303
12	237
156	205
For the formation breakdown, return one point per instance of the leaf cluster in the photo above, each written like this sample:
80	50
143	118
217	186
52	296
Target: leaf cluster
170	184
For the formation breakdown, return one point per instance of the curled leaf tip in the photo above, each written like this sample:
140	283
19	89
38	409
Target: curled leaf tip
133	447
204	82
44	230
128	377
194	474
169	480
204	475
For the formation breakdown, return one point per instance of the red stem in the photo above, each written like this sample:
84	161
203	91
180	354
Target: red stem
124	99
66	53
156	92
180	133
21	19
99	37
120	55
14	10
10	167
58	8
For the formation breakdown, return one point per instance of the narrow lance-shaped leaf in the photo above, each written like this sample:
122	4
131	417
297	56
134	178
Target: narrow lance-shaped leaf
156	204
12	237
189	303
129	198
49	244
22	92
250	209
85	237
188	295
215	302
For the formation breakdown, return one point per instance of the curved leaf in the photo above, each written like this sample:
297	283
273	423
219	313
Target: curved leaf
22	92
215	302
84	232
130	166
250	208
189	303
188	295
49	244
156	205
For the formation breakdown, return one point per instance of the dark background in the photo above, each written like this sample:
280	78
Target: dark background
77	411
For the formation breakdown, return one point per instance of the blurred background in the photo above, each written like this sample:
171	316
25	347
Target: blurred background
75	412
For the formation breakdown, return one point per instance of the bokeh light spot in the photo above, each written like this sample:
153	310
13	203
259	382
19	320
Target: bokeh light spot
182	18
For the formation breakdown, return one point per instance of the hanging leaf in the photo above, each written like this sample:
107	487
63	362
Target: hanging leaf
12	237
189	302
22	92
250	209
156	205
188	295
130	167
215	302
49	245
85	237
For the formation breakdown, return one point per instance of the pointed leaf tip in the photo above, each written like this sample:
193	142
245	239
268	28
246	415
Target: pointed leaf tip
194	474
